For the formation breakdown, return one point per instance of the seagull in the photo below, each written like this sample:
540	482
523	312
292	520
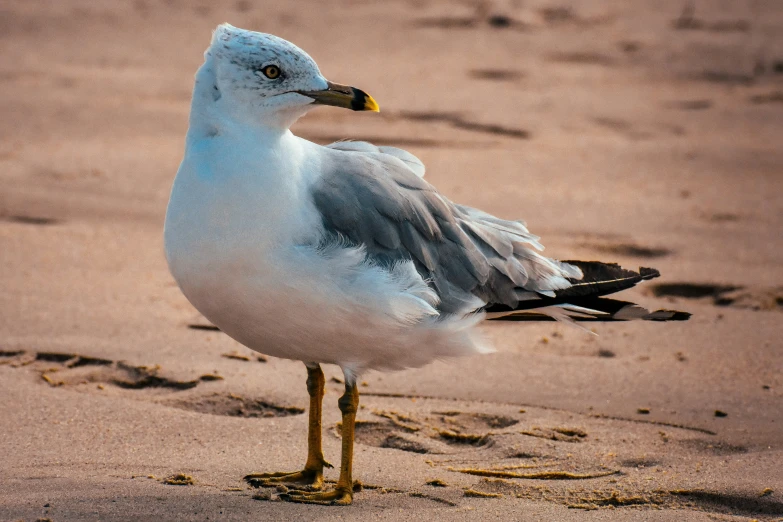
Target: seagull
343	254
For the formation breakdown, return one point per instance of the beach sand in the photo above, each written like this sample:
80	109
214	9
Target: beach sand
637	132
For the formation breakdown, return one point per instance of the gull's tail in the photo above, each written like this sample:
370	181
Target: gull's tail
584	301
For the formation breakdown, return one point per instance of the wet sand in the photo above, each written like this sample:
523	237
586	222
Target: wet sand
638	133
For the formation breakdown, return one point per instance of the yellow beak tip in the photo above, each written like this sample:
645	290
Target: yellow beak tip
371	105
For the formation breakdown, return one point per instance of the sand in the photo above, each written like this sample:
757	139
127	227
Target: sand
635	132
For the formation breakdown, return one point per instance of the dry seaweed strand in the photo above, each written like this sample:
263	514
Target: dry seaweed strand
50	381
236	356
398	419
558	434
179	479
523	466
613	499
481	494
539	475
465	438
571	432
419	494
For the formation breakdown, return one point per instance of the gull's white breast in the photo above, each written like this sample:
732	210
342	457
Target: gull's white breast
235	217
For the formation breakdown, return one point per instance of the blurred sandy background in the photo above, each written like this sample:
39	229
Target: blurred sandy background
647	133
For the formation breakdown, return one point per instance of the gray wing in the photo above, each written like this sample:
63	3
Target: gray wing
377	197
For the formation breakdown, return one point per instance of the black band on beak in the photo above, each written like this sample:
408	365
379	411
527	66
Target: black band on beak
343	96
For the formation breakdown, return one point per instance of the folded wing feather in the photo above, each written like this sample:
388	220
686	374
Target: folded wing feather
377	197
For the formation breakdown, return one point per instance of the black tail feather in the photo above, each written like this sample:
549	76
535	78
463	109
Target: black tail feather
599	280
604	279
608	310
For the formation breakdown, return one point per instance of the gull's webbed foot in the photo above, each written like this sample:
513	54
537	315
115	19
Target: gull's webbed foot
307	479
311	477
342	494
338	496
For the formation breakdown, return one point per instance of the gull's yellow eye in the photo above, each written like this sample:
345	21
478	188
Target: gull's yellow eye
271	71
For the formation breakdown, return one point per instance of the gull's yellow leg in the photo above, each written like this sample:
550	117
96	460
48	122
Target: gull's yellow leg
312	476
342	494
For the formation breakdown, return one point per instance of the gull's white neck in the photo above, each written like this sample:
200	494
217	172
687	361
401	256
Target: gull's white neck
241	189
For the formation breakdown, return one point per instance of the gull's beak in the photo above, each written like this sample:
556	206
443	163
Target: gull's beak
343	96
